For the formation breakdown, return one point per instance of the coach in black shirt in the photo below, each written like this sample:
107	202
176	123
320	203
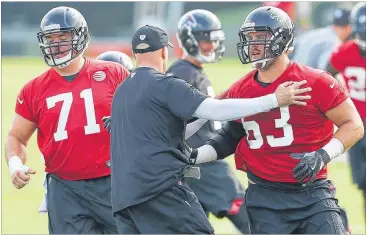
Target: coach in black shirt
148	164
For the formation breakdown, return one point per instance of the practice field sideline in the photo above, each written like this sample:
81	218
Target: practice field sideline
19	207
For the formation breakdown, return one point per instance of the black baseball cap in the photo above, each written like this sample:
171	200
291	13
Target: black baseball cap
341	17
149	38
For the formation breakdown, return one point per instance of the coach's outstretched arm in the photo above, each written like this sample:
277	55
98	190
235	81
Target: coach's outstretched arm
15	154
231	109
225	142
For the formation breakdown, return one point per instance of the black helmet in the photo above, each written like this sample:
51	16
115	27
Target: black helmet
200	25
358	23
118	57
63	20
279	34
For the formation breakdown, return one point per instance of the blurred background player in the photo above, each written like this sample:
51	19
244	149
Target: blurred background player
219	191
350	60
118	57
65	105
314	47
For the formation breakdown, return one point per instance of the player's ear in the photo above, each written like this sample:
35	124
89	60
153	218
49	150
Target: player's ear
164	53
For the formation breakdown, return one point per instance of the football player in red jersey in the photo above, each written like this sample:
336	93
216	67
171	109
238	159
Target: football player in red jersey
285	151
350	60
65	105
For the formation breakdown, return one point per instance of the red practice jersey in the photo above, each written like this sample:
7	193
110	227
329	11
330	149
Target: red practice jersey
68	115
272	136
348	60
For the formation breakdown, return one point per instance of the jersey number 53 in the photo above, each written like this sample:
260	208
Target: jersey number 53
282	122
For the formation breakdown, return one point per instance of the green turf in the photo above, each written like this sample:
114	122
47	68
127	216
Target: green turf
19	207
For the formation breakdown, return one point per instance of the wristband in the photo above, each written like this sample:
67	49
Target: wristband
15	164
334	148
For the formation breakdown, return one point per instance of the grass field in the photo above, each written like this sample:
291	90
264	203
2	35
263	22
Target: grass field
19	207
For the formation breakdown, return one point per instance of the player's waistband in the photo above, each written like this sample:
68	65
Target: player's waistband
280	186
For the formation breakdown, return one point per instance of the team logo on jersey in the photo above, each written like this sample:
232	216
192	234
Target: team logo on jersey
99	76
20	101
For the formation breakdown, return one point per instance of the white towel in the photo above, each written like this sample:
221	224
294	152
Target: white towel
43	207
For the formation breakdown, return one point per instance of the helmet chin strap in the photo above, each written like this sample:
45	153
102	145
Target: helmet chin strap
261	62
63	65
205	59
200	57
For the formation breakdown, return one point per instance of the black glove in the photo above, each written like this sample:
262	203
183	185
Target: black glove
310	164
107	123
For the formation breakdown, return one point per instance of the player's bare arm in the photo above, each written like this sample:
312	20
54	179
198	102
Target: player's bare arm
347	119
220	146
231	109
15	154
350	126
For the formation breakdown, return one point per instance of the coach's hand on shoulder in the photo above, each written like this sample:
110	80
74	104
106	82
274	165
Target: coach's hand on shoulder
107	123
19	172
310	165
290	92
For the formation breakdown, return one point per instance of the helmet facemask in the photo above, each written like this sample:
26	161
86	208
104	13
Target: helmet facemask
75	45
361	39
272	44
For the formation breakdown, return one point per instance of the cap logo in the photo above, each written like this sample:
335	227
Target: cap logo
338	13
142	37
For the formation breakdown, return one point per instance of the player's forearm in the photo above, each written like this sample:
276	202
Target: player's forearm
350	133
193	127
232	109
222	145
14	147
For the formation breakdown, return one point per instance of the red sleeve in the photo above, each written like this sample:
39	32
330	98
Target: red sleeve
119	72
222	95
328	92
337	59
232	92
122	73
24	103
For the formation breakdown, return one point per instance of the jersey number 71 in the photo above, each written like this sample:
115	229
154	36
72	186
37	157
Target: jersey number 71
67	98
